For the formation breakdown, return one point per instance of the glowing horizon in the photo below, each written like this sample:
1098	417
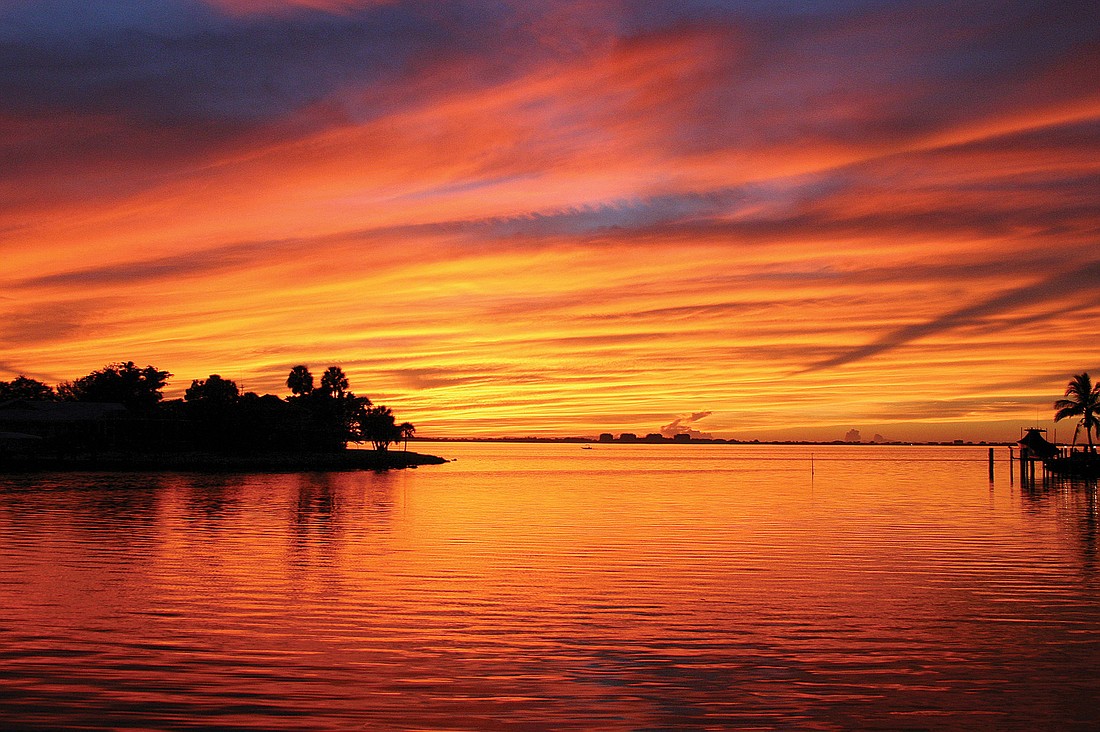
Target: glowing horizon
578	218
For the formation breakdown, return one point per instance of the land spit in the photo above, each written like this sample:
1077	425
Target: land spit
205	462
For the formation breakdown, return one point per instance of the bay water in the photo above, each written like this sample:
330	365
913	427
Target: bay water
546	586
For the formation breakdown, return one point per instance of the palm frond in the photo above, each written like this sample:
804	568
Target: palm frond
1065	412
1080	387
1082	399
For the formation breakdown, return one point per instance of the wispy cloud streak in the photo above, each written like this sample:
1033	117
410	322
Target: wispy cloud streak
561	217
1052	290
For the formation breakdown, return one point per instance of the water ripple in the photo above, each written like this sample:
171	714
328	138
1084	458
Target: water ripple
528	587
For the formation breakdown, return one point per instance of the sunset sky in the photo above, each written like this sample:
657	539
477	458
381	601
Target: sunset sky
758	219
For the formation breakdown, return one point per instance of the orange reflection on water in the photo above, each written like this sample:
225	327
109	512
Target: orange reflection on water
621	587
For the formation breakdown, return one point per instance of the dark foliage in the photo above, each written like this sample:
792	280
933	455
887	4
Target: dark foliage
22	387
211	411
1082	399
300	381
215	416
378	426
334	381
327	422
138	389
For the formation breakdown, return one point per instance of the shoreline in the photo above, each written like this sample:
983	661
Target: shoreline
201	462
714	441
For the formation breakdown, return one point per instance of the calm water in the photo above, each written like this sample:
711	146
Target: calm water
549	587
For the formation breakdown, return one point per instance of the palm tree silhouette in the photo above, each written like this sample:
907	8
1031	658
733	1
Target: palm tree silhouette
300	380
1082	400
406	430
334	381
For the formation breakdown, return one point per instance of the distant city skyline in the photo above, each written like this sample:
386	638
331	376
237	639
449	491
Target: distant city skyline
758	220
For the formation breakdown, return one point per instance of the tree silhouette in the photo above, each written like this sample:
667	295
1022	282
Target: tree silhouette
211	407
122	383
406	430
377	426
22	387
213	414
214	391
334	382
300	380
1082	399
327	417
334	420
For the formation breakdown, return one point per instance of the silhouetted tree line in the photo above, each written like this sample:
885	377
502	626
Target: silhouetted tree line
23	388
215	415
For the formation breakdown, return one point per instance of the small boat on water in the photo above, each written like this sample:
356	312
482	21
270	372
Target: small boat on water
586	447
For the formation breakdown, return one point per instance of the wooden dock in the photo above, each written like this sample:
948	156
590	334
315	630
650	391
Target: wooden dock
1054	462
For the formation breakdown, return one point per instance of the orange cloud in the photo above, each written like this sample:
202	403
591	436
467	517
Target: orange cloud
607	224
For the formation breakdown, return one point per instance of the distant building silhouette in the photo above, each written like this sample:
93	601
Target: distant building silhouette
628	437
607	437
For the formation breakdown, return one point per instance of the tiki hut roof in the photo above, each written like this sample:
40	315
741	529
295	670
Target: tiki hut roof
1037	445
